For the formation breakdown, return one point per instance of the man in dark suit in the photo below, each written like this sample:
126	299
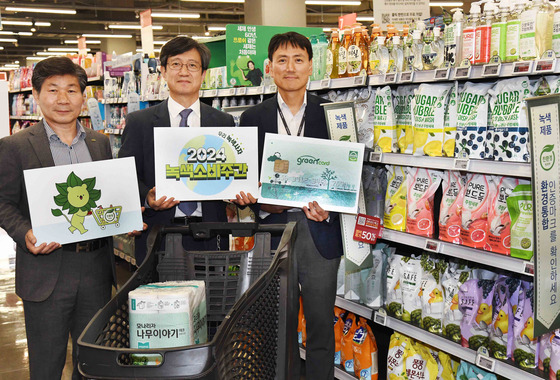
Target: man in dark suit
62	287
319	242
183	65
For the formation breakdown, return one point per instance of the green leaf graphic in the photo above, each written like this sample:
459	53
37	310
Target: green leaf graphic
345	138
56	212
90	182
548	148
62	188
73	180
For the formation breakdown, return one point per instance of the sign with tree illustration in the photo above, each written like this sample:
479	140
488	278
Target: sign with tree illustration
298	170
72	203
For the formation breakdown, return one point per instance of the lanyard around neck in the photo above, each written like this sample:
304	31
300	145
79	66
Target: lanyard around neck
286	124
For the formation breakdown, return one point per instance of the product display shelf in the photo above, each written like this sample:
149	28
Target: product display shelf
114	101
238	91
478	256
114	131
510	169
354	307
33	117
26	89
339	372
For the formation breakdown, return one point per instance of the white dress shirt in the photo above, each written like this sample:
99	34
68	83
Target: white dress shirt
293	121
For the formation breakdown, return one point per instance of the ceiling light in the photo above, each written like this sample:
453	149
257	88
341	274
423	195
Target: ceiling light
327	29
1	47
42	23
139	50
365	18
8	39
42	10
49	53
160	42
35	58
447	4
16	61
7	68
108	35
33	30
175	15
154	27
5	32
22	23
200	37
332	2
25	33
217	1
216	28
69	42
11	65
65	49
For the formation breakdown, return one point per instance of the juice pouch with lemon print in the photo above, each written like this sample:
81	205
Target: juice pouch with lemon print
428	116
419	363
411	278
422	185
384	128
396	369
450	123
394	216
403	96
474	215
499	239
520	207
450	208
393	296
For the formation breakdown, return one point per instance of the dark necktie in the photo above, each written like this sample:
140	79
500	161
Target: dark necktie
186	207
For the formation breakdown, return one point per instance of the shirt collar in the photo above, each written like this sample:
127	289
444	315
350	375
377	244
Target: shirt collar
51	134
284	106
175	108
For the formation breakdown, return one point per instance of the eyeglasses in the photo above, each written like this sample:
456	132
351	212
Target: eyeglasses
192	66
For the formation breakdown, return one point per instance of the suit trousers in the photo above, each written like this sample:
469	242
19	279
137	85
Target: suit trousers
317	280
83	287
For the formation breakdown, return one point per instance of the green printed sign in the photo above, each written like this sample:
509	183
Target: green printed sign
247	52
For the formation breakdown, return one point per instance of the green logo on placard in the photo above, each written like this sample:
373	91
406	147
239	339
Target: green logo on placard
547	158
353	156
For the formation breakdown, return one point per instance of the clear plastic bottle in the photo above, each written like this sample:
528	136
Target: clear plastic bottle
322	46
469	33
313	40
428	55
545	24
499	36
397	54
417	48
373	57
383	54
438	48
513	29
343	52
355	63
332	55
536	30
407	48
453	38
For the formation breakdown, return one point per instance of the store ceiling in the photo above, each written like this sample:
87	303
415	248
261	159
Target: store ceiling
95	16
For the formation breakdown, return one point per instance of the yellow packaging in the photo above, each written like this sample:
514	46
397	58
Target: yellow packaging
450	124
428	117
384	127
395	357
419	363
445	367
394	216
403	96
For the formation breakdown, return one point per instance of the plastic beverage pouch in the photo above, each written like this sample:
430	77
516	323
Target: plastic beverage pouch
394	298
394	216
411	277
554	368
365	352
499	239
506	295
422	185
372	278
474	214
396	357
452	279
470	371
347	353
520	207
545	350
475	300
472	120
445	371
451	206
338	334
489	149
525	350
428	115
419	363
450	122
384	127
374	181
553	83
432	301
510	119
403	96
364	108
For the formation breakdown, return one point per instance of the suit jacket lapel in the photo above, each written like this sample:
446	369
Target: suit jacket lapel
271	115
161	115
40	143
93	145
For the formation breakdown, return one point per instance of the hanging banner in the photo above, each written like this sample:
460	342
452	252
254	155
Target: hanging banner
147	33
399	12
544	122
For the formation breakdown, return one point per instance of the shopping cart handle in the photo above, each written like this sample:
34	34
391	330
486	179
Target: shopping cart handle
208	230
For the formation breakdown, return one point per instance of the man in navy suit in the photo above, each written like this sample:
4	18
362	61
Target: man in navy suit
319	242
183	65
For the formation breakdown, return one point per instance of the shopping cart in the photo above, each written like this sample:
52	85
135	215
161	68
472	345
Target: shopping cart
249	292
105	216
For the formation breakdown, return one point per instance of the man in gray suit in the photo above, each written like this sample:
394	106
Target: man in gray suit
62	286
183	65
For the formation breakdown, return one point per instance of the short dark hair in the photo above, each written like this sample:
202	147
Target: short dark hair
57	66
289	38
181	44
250	62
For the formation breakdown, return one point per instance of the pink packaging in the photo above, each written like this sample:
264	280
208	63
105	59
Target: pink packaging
499	221
474	217
451	205
421	187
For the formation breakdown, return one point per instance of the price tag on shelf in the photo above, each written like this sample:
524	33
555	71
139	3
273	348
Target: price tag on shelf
367	228
441	74
432	245
529	268
375	156
241	90
391	78
211	93
462	72
461	164
406	76
484	361
200	93
522	67
360	81
380	317
325	83
271	89
231	91
491	70
544	66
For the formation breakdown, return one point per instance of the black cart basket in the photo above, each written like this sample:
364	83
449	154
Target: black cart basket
248	294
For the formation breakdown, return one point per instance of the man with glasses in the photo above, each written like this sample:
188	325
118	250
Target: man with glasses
183	65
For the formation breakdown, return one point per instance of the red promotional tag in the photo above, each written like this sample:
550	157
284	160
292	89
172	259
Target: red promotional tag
367	228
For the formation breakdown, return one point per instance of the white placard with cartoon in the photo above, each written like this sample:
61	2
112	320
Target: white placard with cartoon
73	203
197	164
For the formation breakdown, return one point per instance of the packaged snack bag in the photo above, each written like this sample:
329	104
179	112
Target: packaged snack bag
475	301
525	352
445	367
403	96
374	180
338	334
432	300
500	188
506	295
422	185
451	206
302	335
347	353
553	83
396	369
393	298
371	293
474	214
384	127
520	207
554	367
364	107
510	119
455	275
545	350
411	277
428	116
450	122
472	120
470	371
489	149
394	216
365	352
419	363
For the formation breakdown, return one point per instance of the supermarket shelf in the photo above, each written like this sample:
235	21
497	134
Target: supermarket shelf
513	169
509	371
354	307
114	131
26	89
95	79
114	100
26	117
339	373
449	249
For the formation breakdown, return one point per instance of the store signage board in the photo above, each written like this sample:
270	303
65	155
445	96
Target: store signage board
195	164
400	12
367	228
84	201
544	119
